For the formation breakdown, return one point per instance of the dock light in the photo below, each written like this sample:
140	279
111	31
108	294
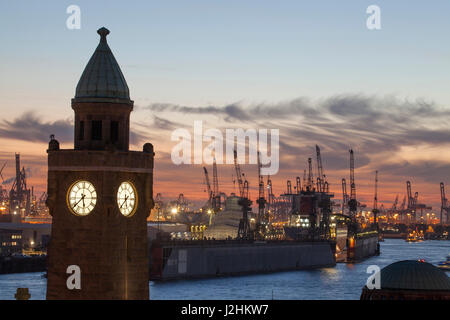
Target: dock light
174	210
209	211
32	242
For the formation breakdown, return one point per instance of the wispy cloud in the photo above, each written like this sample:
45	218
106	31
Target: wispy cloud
371	125
30	127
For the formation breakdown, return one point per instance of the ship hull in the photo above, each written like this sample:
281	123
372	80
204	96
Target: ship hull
170	261
363	247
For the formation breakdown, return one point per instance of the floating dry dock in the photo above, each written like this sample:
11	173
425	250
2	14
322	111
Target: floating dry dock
171	260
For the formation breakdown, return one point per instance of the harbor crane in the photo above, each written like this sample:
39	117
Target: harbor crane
262	218
298	185
216	203
244	225
394	207
402	209
182	203
444	205
3	192
289	187
20	195
304	179
409	195
321	176
310	175
344	195
1	172
208	188
238	175
352	203
270	197
375	201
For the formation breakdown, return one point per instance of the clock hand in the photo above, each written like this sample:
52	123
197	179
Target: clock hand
82	198
123	202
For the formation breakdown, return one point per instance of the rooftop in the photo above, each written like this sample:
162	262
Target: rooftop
414	275
102	77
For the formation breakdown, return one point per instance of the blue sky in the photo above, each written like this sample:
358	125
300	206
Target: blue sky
385	93
219	52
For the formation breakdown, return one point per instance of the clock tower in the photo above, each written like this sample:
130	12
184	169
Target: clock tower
99	193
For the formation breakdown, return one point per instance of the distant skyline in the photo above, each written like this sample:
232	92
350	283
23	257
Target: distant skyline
311	69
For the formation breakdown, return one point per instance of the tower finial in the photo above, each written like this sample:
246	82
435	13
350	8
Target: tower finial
103	32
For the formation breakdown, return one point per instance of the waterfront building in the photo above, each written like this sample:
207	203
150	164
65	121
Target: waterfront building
10	242
410	280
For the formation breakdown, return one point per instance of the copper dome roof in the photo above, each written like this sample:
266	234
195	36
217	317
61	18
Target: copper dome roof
102	77
414	275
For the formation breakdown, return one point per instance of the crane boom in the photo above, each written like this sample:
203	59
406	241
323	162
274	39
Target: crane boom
375	201
352	176
261	200
238	175
394	205
208	185
320	178
1	171
352	203
402	206
215	179
299	185
375	198
409	194
310	174
215	191
444	206
344	195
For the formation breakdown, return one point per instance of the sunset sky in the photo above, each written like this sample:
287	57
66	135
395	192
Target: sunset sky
308	68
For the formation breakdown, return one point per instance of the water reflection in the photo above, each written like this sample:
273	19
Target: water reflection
345	281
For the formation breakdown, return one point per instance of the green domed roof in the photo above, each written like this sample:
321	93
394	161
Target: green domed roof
414	275
102	77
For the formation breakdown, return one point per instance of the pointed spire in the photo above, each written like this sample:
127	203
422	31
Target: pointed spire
102	77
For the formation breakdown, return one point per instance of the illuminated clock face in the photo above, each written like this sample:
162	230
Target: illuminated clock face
127	199
81	198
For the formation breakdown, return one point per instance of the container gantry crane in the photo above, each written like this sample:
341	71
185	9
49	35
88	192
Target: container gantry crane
262	218
310	175
208	189
344	195
352	203
244	201
216	203
321	176
444	205
375	202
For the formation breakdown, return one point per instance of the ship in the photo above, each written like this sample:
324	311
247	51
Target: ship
414	236
444	265
238	245
238	241
352	242
175	260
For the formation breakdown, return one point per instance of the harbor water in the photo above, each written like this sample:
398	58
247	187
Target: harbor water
344	281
